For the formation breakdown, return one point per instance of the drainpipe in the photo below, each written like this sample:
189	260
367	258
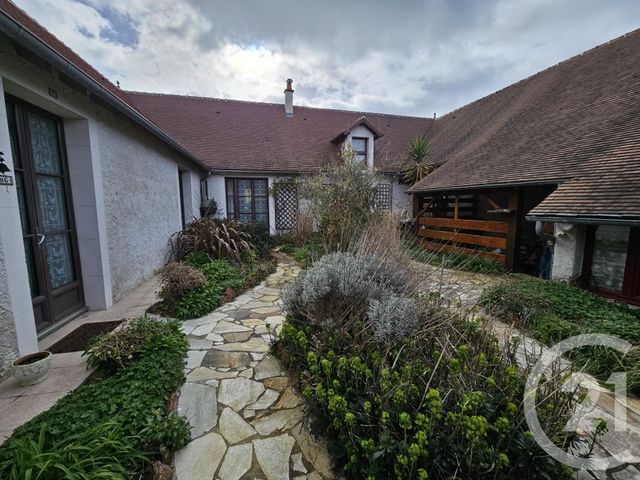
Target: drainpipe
22	36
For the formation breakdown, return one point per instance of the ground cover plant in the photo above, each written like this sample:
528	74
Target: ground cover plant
114	426
213	260
553	311
402	386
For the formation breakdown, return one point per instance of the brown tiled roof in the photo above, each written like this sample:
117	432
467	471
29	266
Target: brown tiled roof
577	121
238	135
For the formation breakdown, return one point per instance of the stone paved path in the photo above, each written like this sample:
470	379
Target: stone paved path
246	419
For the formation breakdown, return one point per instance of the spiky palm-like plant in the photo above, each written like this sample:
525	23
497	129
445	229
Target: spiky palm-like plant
417	166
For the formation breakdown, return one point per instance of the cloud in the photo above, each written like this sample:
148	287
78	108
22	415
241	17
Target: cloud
411	57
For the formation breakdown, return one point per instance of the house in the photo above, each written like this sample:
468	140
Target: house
559	150
247	145
96	179
91	188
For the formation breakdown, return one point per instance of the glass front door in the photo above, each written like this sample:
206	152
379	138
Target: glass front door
42	186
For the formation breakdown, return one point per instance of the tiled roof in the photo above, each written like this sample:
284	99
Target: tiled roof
578	122
238	135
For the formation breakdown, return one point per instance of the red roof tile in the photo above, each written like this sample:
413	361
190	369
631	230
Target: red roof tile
238	135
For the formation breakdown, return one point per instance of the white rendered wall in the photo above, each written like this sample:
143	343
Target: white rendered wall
17	326
123	184
568	251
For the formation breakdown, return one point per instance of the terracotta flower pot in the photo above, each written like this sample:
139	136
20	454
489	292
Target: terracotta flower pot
32	368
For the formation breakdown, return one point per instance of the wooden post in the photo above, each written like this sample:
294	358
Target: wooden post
456	207
512	251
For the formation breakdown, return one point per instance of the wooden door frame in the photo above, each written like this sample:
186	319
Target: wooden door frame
47	293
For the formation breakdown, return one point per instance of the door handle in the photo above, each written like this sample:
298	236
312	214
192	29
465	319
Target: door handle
41	238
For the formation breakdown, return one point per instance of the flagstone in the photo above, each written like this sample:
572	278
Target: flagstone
225	326
297	464
236	462
277	383
268	367
289	399
199	344
265	401
214	337
204	373
282	419
273	456
252	322
271	309
251	345
197	402
215	358
203	330
239	392
237	336
194	358
248	373
233	428
275	320
200	458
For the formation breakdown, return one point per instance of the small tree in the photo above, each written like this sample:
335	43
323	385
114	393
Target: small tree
417	166
341	199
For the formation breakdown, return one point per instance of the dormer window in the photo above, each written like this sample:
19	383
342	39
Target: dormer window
359	145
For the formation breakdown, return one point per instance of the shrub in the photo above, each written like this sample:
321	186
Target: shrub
554	311
127	399
220	275
99	452
340	200
178	278
219	239
342	286
259	236
118	349
166	431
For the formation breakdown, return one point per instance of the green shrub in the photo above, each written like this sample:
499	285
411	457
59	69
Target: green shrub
119	348
259	236
447	404
197	259
99	452
554	311
167	431
220	275
126	399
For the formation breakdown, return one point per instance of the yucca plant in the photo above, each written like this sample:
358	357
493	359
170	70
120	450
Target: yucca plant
417	166
219	239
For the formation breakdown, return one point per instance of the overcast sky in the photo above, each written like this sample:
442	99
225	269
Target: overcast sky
395	56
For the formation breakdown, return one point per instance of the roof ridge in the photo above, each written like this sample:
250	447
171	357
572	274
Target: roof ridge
533	75
233	100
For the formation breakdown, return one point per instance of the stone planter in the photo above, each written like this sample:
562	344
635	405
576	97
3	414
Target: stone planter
32	368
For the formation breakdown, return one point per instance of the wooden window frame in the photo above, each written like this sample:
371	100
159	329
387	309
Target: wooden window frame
364	152
235	197
631	283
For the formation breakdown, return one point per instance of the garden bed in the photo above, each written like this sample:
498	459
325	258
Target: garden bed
553	311
116	425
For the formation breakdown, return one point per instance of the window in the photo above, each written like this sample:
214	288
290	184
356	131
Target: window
248	199
359	145
612	263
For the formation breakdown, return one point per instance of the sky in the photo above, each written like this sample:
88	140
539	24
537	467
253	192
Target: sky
405	57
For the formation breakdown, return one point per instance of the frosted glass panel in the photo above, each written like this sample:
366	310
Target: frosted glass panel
52	207
59	259
44	144
609	257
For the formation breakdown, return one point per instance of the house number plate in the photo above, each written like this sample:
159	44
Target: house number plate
6	180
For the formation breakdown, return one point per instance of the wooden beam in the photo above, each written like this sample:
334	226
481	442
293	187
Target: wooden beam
480	225
480	240
512	251
456	207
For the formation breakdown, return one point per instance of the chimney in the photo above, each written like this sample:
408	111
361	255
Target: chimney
288	98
